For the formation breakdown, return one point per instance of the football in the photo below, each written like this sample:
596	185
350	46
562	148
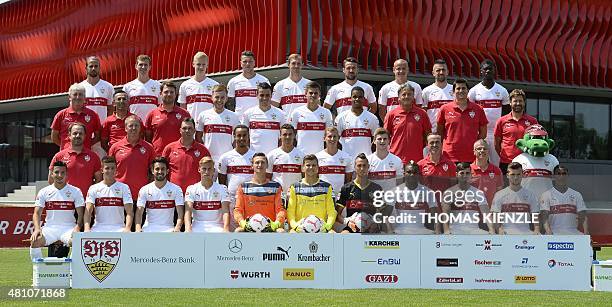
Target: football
312	224
362	220
258	222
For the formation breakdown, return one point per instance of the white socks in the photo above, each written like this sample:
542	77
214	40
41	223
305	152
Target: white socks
36	252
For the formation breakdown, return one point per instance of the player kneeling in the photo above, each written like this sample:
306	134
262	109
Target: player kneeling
311	197
259	200
111	199
356	203
419	200
207	202
60	200
160	198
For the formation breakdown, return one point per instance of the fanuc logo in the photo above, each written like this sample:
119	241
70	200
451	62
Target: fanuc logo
100	256
298	274
382	244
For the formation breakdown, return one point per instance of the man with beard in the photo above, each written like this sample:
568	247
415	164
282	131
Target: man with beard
160	198
388	97
438	93
340	94
113	128
510	128
163	124
98	93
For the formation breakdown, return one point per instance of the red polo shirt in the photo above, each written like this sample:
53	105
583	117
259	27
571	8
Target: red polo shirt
165	126
509	130
437	176
81	167
407	130
184	162
113	129
461	129
487	180
133	163
67	116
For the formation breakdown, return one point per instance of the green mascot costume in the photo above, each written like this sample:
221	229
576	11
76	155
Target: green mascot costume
538	164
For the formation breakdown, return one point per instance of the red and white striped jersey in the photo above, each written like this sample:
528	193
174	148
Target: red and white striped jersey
207	203
285	167
237	167
419	200
310	127
433	98
197	95
465	203
388	96
143	97
563	209
245	91
491	100
98	97
385	171
537	172
218	129
356	132
160	203
333	169
264	127
521	201
109	202
340	95
290	95
59	204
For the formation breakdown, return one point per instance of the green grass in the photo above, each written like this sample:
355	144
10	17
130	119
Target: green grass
16	271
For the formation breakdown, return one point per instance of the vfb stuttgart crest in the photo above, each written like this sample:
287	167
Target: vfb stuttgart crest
100	256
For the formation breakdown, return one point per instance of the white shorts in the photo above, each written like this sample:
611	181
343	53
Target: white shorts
413	231
157	228
206	227
467	230
107	228
54	233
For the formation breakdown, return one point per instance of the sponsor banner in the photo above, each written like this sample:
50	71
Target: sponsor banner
602	275
138	260
372	261
16	226
251	260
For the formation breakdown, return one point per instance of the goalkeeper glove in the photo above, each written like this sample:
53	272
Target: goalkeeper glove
328	226
243	224
274	225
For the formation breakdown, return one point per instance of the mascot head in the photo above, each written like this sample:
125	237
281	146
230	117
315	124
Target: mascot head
535	142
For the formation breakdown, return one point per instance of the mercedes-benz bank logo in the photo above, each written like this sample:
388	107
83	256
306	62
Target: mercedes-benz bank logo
234	246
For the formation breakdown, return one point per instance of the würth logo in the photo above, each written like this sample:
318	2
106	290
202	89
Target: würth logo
235	274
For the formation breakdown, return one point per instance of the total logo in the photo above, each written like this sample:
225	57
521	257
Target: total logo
524	246
283	254
449	280
382	244
554	263
525	264
487	263
488	245
560	246
235	274
381	278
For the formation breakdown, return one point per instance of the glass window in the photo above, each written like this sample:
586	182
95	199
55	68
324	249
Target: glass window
544	112
592	129
532	107
560	107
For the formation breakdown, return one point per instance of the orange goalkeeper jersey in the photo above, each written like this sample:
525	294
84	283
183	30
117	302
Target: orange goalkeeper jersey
252	198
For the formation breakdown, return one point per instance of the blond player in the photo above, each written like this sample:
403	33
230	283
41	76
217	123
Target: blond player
195	94
388	95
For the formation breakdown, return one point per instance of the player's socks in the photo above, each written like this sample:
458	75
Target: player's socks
35	253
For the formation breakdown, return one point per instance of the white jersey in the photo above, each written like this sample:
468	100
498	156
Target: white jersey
388	96
491	101
59	205
385	171
310	127
417	201
333	169
466	204
143	97
537	172
245	91
109	202
197	95
285	167
207	215
98	97
264	127
562	210
218	129
238	169
340	95
356	132
290	95
433	98
160	204
522	201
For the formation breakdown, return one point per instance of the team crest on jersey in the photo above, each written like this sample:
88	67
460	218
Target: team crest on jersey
297	159
215	194
498	94
169	193
102	90
68	193
321	116
391	164
227	119
397	120
491	175
153	89
546	162
274	116
117	191
87	118
100	256
196	153
527	123
178	116
87	158
417	117
445	167
142	150
341	160
572	198
365	122
472	114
